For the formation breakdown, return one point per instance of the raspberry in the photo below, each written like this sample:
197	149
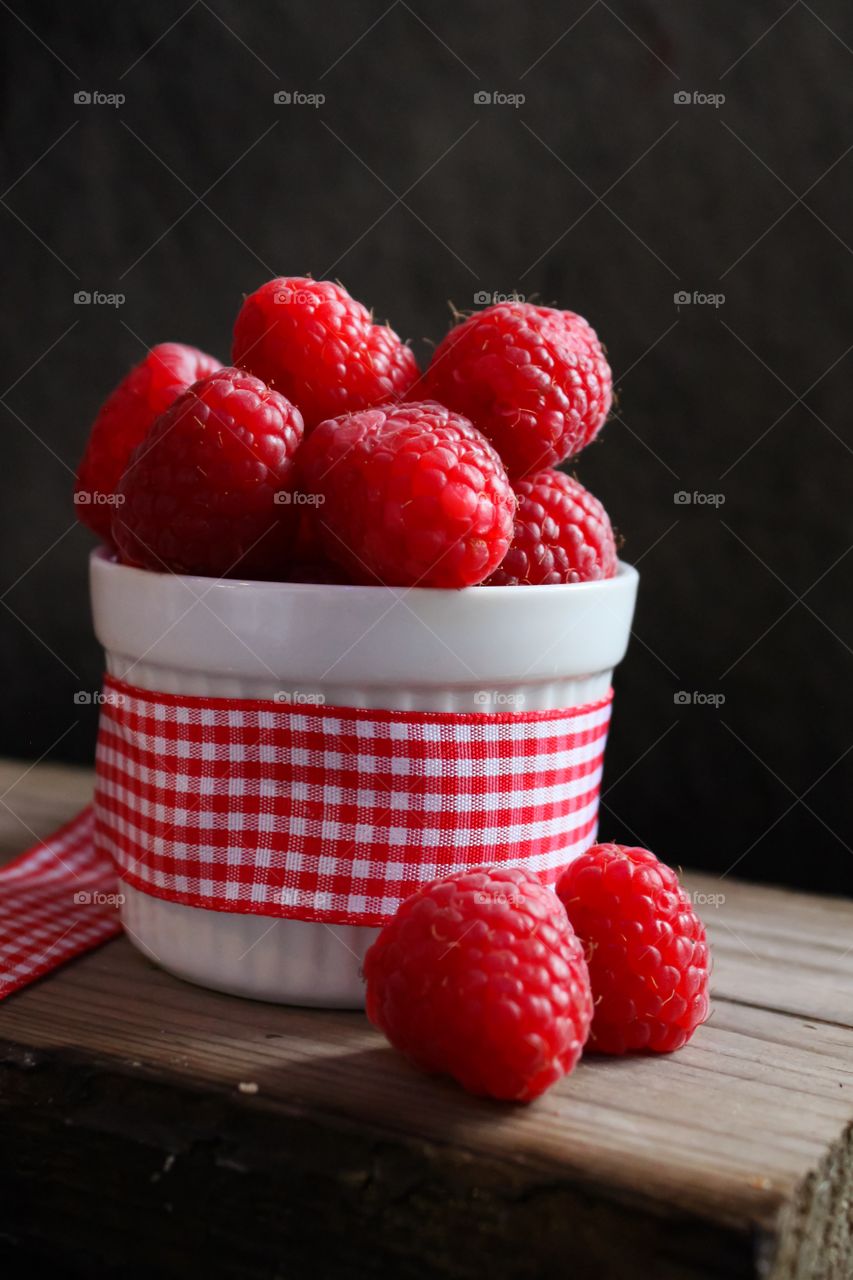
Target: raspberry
307	563
319	347
479	976
534	380
123	420
645	947
201	492
562	534
315	572
408	495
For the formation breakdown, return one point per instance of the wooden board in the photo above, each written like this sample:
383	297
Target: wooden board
148	1125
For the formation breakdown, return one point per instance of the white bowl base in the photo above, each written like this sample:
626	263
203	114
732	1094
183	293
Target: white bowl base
262	958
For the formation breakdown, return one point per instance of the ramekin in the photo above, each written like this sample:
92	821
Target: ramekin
484	649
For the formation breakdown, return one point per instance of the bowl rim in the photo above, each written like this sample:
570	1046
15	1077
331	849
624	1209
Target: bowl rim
104	556
329	633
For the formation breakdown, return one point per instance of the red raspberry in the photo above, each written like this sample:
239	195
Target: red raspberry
562	534
479	976
307	562
409	495
314	572
202	491
123	420
318	346
534	380
645	946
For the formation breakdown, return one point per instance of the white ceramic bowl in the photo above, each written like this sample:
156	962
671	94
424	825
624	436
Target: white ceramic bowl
377	647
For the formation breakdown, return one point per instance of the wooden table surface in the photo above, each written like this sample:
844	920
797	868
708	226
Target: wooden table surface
148	1126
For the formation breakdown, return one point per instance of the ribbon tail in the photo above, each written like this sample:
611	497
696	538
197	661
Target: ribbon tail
58	900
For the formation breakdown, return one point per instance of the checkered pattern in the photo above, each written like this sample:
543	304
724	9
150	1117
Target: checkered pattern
56	900
334	814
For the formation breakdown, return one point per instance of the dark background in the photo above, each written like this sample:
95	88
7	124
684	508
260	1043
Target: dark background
600	193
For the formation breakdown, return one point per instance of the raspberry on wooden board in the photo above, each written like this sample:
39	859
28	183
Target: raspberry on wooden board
645	946
480	976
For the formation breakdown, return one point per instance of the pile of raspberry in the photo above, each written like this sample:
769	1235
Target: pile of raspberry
324	454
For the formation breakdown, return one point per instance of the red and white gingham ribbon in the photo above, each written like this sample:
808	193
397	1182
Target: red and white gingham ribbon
335	814
311	813
56	901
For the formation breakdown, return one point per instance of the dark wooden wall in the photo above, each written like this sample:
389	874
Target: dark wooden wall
601	193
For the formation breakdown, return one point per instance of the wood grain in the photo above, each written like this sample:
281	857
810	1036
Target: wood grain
729	1158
